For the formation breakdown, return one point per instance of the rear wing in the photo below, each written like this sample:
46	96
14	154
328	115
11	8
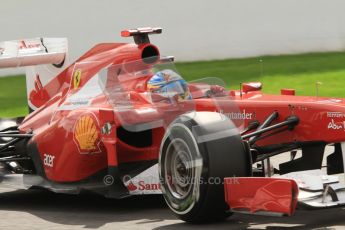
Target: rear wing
36	51
44	59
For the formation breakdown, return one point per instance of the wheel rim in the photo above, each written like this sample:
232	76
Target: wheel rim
179	169
180	159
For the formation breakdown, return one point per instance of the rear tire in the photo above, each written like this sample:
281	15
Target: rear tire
197	152
7	124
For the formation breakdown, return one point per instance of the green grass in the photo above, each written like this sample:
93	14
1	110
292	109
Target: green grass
13	96
300	72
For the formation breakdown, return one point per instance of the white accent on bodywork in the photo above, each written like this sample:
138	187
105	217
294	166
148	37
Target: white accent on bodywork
147	179
83	97
312	180
26	181
312	184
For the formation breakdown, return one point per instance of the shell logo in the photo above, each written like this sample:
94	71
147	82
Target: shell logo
86	134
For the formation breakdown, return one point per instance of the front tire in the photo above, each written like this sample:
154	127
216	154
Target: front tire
197	152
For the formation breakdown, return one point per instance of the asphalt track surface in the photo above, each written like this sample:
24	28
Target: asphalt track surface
40	209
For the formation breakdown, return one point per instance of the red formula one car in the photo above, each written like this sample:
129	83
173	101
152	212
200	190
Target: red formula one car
121	121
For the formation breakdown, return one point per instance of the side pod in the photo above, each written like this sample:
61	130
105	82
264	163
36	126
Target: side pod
270	196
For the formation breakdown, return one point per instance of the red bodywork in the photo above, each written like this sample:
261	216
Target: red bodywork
253	194
54	129
57	131
48	123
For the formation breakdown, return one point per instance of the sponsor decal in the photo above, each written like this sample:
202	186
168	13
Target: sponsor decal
335	115
79	101
131	187
336	126
76	78
149	187
143	186
75	103
28	45
106	129
39	95
86	134
146	182
302	108
48	160
239	115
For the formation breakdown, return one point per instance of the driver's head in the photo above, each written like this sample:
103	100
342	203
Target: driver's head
170	85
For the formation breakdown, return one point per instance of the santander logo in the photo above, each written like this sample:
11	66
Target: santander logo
131	187
142	186
146	182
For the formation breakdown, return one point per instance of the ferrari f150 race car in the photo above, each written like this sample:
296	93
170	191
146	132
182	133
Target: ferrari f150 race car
122	121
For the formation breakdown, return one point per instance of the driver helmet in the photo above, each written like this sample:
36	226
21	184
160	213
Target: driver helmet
169	85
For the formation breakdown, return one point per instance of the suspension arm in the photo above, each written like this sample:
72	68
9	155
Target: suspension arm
266	123
290	122
26	135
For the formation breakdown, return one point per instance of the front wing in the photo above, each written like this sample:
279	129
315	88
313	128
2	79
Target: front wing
281	195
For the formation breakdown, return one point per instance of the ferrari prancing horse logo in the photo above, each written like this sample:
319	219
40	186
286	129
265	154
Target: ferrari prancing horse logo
76	78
